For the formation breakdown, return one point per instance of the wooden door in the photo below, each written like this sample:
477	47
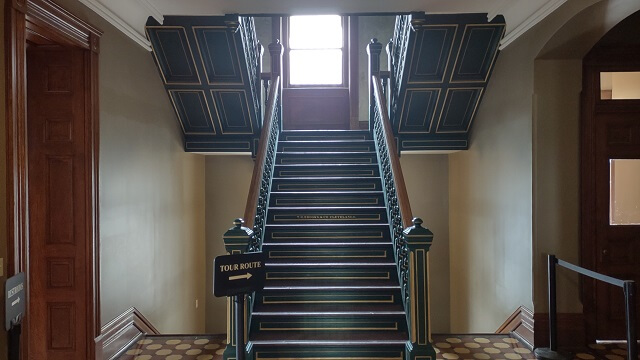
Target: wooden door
610	137
617	243
59	192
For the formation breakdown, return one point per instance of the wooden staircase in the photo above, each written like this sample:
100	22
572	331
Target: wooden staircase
332	287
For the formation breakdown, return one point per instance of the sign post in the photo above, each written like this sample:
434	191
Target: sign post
236	275
14	312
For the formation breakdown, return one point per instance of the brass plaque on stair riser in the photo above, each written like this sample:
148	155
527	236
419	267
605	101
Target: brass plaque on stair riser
337	217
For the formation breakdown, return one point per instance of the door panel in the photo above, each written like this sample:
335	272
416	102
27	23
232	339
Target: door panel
57	310
618	246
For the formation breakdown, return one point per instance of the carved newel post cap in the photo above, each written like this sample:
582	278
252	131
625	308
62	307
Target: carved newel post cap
417	222
238	223
418	235
374	40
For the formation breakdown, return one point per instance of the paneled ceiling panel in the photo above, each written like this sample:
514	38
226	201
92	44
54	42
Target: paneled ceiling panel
451	59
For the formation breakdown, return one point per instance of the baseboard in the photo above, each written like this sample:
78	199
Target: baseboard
119	333
571	330
520	324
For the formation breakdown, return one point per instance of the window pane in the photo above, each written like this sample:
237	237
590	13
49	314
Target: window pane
625	192
315	67
315	32
619	85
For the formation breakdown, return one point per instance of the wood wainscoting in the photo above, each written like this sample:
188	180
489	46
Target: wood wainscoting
571	330
121	332
533	329
520	324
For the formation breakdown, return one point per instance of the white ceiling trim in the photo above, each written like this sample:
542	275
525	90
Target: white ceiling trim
153	10
116	21
531	21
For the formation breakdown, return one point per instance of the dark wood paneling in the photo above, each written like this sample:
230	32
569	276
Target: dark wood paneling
315	109
520	324
60	28
571	330
119	333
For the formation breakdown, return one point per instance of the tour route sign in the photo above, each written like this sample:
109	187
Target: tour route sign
238	274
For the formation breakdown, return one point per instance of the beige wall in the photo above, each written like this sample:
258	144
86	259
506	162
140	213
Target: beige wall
227	185
427	180
151	193
493	201
556	176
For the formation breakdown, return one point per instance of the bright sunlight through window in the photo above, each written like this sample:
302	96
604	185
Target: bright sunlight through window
315	55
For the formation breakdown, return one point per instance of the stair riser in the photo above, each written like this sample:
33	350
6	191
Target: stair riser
328	323
280	216
320	298
284	171
317	146
340	253
283	185
324	135
318	234
333	272
326	352
320	199
296	159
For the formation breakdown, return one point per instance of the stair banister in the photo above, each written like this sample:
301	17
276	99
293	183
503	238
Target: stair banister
410	239
240	239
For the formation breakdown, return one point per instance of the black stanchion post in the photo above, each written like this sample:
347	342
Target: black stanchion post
551	353
553	325
14	342
630	307
239	300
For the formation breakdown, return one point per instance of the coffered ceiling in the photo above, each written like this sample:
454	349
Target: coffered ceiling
130	16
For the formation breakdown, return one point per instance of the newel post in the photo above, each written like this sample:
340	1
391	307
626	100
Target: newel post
373	50
236	241
418	240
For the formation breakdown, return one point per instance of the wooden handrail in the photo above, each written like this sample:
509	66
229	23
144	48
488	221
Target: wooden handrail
396	169
258	168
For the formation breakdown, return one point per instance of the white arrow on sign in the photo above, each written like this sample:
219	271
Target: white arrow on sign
238	277
15	302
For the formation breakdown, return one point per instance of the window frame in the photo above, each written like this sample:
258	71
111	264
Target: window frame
286	26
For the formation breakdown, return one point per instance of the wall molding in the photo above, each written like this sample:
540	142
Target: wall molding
520	324
118	22
117	335
530	22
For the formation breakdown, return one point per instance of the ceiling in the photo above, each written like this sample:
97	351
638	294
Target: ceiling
130	16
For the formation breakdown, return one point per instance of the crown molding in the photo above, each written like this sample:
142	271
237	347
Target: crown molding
531	21
153	10
117	21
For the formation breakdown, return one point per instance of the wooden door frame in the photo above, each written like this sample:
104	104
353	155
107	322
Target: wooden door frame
600	58
45	20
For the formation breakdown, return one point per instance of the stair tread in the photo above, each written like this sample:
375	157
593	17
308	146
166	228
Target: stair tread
327	244
329	338
327	313
329	164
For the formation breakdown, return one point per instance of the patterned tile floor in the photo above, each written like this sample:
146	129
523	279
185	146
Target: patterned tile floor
448	347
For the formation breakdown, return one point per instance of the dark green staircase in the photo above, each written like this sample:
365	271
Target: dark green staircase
332	287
